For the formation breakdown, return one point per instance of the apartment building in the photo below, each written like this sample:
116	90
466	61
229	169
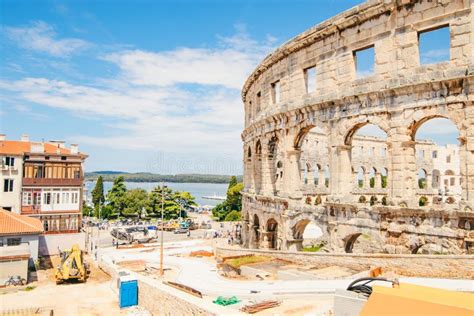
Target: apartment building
45	182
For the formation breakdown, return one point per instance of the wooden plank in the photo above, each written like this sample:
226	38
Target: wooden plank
184	288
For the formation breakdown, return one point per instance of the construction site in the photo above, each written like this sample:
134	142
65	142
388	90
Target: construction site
207	276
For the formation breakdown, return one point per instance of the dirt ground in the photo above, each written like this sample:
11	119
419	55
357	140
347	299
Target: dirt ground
94	297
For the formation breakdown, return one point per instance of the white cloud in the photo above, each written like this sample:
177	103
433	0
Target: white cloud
226	65
41	37
149	105
434	55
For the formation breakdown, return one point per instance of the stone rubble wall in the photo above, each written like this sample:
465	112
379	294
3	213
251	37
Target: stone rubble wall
439	266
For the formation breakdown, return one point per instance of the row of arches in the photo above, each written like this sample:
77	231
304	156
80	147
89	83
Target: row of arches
319	166
310	235
371	179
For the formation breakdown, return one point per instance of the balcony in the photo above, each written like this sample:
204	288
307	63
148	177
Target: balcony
30	210
52	182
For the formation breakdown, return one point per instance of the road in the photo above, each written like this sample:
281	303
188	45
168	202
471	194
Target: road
202	275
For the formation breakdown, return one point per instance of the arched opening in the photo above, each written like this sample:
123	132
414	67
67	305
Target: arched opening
384	201
422	179
362	199
316	172
256	231
438	155
309	236
313	143
373	200
308	174
384	178
350	241
423	201
363	243
273	159
450	200
318	200
257	175
369	155
435	179
372	173
327	176
272	234
360	177
248	169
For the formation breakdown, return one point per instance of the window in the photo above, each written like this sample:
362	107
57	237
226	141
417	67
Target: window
65	198
57	200
9	161
276	92
421	154
364	60
8	185
258	101
47	198
26	198
452	181
434	45
36	198
448	158
435	154
13	241
383	152
310	79
75	197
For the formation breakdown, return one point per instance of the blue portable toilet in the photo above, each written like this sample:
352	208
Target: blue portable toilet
128	291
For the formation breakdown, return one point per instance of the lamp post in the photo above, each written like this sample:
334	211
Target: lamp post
162	226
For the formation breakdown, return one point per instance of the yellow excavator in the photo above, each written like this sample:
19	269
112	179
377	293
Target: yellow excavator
72	266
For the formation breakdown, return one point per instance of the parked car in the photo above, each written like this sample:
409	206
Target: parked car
181	230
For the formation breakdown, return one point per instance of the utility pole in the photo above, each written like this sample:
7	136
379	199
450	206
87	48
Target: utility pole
162	226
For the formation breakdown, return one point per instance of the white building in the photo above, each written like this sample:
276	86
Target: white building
11	174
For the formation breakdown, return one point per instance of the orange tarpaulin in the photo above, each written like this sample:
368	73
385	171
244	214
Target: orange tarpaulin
408	299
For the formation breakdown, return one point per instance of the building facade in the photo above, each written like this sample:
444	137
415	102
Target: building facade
48	184
314	82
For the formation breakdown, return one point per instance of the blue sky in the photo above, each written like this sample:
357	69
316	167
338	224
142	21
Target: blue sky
141	85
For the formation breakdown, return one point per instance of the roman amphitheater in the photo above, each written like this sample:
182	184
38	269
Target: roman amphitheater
305	163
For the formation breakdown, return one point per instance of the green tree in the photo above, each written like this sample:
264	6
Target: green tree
135	201
232	182
233	201
232	216
86	209
98	198
185	200
173	202
234	198
115	196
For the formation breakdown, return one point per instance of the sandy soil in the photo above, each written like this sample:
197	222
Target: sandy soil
95	297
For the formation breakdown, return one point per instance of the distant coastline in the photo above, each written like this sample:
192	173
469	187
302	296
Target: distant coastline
151	177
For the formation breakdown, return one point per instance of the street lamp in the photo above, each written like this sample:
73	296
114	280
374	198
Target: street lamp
162	226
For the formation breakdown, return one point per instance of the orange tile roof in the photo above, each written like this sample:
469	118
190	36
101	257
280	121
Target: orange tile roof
15	147
13	224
